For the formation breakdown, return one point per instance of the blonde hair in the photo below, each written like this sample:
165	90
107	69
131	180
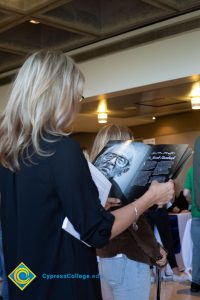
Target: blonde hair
109	133
43	101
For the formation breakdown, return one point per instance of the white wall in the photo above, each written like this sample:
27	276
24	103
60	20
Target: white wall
162	60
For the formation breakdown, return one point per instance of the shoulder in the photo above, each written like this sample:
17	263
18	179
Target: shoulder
66	143
66	151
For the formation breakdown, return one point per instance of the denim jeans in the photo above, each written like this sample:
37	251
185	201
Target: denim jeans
5	281
124	279
195	233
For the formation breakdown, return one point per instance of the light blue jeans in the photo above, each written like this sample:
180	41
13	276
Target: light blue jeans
124	279
195	233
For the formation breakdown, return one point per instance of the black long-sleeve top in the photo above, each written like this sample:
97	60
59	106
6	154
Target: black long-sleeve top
35	201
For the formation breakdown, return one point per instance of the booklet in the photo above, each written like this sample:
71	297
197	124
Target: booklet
132	166
103	185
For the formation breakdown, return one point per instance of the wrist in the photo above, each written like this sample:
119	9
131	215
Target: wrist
151	198
135	216
135	210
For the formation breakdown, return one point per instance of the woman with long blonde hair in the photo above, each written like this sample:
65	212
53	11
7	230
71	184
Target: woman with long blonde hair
44	177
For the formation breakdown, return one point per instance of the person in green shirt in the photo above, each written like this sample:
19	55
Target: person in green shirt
195	230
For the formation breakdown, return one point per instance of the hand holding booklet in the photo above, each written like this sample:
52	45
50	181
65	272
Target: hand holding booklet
125	170
132	166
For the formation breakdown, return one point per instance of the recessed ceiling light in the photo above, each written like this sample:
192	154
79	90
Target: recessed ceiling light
102	111
34	22
195	96
153	118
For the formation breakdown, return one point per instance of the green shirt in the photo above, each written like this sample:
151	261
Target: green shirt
189	184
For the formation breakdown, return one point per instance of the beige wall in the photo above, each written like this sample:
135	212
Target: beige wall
169	125
177	128
181	128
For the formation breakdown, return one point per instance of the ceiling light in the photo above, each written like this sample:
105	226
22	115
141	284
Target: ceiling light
102	111
153	118
102	117
195	96
34	22
195	102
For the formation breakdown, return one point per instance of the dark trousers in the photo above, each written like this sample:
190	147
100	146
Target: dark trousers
159	218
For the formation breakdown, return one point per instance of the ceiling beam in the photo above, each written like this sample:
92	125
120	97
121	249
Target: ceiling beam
42	7
50	21
13	23
138	40
12	51
17	49
49	7
162	4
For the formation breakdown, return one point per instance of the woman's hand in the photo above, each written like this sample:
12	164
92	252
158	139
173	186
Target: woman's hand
112	202
161	193
176	210
184	211
162	262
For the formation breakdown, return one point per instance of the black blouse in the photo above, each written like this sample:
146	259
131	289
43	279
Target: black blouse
35	201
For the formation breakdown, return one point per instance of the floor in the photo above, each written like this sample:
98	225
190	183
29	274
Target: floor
170	291
174	291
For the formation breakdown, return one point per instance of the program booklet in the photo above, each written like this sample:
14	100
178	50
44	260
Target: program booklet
132	166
